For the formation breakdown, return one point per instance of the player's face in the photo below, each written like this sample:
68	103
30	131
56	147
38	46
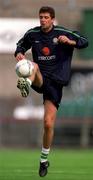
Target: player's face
46	21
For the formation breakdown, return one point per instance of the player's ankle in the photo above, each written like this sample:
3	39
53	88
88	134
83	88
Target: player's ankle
29	81
44	154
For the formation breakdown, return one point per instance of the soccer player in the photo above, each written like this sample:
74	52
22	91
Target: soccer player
52	49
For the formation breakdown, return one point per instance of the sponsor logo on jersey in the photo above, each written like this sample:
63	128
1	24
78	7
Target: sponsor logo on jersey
47	58
46	51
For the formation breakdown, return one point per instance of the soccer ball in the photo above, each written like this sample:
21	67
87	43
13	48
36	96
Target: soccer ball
24	68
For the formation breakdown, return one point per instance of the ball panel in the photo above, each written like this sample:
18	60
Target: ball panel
24	68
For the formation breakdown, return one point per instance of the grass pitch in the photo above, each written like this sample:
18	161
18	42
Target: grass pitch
64	165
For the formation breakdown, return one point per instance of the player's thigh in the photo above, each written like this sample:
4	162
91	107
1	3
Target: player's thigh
38	81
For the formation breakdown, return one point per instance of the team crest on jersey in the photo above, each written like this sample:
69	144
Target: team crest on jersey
55	40
46	51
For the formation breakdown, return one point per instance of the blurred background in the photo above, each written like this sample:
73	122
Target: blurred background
21	120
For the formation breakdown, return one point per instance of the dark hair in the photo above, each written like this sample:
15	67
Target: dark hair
47	9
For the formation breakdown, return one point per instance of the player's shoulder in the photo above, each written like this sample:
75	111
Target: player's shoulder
67	31
33	30
61	29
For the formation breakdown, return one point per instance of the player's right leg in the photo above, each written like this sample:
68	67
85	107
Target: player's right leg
24	84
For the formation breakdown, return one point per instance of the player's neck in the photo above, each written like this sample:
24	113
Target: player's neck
46	30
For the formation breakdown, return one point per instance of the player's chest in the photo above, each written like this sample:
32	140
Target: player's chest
40	42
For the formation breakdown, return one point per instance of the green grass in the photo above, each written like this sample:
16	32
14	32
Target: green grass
65	165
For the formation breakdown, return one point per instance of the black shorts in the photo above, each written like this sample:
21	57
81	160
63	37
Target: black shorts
51	90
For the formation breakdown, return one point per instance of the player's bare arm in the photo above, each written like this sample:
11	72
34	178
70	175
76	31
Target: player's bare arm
66	40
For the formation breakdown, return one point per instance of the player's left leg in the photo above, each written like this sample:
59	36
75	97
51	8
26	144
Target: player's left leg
50	112
49	121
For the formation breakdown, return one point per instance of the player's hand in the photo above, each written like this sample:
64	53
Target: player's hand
20	56
66	40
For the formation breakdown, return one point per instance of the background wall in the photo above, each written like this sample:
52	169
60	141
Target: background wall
71	14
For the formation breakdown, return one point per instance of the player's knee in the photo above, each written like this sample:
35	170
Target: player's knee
48	123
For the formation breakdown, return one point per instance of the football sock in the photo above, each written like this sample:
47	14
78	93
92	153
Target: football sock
29	81
44	154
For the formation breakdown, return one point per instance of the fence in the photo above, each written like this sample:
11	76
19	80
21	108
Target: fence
69	132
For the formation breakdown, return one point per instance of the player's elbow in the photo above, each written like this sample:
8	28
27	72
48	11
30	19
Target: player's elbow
82	44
